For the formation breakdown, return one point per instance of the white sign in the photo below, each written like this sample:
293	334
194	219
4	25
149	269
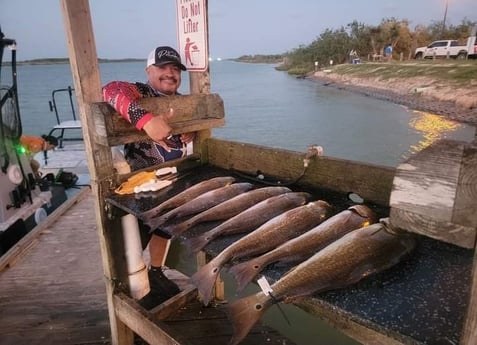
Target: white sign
192	34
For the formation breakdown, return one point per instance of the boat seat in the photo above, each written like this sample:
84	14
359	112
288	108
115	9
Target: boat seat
62	127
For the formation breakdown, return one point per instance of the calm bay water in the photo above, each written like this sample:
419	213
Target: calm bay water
270	108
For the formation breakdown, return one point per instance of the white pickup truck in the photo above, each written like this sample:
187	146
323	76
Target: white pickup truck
446	48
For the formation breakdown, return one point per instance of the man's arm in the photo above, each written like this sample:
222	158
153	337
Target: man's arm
123	97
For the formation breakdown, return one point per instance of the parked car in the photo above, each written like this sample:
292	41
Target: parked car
444	49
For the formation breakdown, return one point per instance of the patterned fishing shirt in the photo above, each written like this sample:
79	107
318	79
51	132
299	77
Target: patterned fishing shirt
123	97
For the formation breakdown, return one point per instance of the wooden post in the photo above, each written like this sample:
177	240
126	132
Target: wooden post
469	332
87	83
199	82
434	193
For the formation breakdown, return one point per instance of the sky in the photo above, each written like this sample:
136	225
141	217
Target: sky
131	29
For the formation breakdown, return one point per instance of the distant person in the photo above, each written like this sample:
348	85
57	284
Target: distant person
163	70
388	52
353	57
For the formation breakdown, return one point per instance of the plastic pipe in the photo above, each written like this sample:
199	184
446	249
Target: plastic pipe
137	270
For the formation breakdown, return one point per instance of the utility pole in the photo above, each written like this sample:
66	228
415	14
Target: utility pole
444	21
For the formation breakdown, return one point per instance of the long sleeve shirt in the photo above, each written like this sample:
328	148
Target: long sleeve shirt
123	97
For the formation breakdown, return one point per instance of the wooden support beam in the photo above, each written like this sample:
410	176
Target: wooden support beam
371	182
87	84
191	113
469	331
434	193
141	322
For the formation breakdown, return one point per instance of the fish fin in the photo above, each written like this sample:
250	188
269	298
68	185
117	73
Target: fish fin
244	313
245	272
195	244
204	280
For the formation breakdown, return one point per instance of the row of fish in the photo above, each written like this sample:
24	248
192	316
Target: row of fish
280	226
347	260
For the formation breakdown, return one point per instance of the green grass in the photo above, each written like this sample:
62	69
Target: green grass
450	71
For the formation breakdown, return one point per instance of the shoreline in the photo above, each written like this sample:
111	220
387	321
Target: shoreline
408	95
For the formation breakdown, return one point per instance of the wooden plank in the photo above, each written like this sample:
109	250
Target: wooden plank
424	225
22	246
191	113
464	197
139	321
465	208
434	193
360	333
55	295
372	182
427	182
469	331
210	326
87	84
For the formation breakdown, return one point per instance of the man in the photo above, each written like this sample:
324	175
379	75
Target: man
388	52
163	70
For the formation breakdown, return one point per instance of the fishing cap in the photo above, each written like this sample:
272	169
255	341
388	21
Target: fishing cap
165	55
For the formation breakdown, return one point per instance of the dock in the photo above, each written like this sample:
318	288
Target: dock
431	298
51	283
52	289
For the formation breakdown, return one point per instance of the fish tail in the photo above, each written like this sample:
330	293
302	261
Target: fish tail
245	272
177	229
154	223
244	313
149	214
204	280
195	244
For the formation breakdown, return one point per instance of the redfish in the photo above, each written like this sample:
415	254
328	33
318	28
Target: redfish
349	259
188	194
227	209
302	247
201	203
251	218
274	232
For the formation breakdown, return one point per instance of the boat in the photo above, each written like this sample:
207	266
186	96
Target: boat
429	300
69	156
25	199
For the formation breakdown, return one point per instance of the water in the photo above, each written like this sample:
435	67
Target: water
267	107
270	108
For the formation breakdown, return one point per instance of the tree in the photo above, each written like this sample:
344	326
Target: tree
365	39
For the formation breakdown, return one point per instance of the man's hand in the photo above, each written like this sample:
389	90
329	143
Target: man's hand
187	137
158	128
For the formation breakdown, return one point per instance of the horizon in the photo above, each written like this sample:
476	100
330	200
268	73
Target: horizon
255	28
